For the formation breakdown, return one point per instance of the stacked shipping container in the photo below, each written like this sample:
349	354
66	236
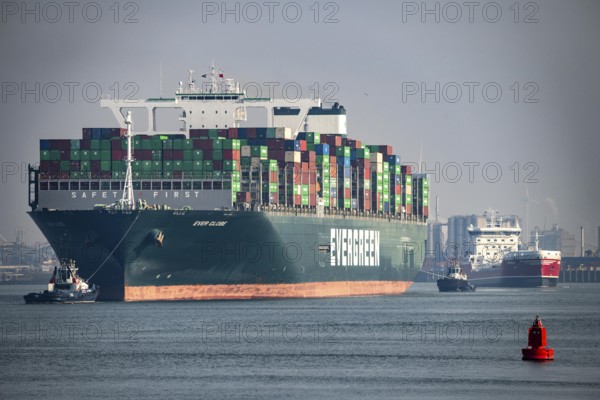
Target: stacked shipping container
259	165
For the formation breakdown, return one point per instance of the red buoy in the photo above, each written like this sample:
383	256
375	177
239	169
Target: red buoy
537	350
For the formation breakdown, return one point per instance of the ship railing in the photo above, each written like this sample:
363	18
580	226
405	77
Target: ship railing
333	213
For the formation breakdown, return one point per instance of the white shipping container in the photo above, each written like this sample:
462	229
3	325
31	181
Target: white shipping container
293	156
283	133
376	158
246	151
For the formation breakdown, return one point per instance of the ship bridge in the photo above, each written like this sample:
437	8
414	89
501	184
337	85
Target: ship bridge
220	103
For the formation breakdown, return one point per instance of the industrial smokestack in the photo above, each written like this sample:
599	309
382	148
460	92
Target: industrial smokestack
582	243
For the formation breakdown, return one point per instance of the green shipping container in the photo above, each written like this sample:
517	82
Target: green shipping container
105	155
54	155
197	155
105	144
75	144
44	155
94	144
197	165
75	155
217	144
104	165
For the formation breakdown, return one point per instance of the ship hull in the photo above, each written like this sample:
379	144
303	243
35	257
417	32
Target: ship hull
203	255
528	273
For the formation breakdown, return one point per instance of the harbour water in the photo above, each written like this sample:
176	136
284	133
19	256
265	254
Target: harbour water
420	345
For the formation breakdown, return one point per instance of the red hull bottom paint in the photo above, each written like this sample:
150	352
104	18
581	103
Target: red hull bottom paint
266	291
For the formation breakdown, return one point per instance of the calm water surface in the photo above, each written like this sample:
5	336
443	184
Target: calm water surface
420	345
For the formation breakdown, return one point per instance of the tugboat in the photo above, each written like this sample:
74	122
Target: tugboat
65	287
455	280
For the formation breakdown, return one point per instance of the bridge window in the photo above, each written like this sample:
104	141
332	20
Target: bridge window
64	186
74	185
166	185
115	185
197	185
155	185
176	185
53	185
84	186
145	185
187	185
43	185
94	185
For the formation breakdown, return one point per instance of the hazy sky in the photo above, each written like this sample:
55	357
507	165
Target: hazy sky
489	88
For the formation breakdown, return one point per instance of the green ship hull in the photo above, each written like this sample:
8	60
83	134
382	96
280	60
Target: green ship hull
203	254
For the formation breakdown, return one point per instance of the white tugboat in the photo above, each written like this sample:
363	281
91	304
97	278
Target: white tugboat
65	286
455	280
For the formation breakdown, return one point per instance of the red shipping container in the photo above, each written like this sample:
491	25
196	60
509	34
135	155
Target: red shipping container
198	133
177	154
217	165
203	144
84	144
297	199
347	193
95	165
408	208
406	169
231	155
302	145
275	154
243	197
273	176
232	133
49	167
222	132
312	200
208	154
86	133
331	140
364	163
177	175
115	144
167	155
251	133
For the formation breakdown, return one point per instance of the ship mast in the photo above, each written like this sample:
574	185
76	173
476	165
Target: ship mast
127	200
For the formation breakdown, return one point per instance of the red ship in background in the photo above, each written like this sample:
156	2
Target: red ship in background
495	258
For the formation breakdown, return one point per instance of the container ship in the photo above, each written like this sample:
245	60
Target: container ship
494	258
293	209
